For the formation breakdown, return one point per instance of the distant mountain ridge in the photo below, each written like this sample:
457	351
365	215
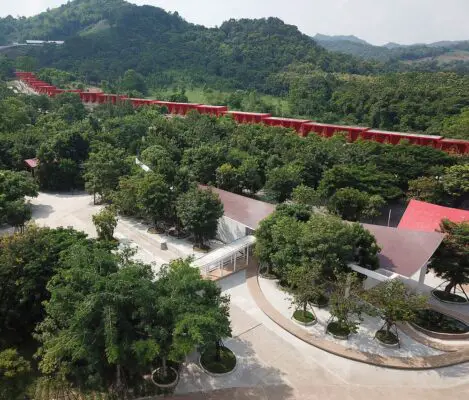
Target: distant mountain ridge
438	51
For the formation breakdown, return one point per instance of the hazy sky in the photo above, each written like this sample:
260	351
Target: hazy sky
378	21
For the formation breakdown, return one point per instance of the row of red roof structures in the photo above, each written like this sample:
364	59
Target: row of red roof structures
301	126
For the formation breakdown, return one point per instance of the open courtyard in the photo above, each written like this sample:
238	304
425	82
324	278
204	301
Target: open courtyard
272	363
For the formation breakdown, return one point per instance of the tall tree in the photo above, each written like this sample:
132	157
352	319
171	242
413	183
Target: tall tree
103	169
27	262
456	182
451	260
105	222
199	211
100	325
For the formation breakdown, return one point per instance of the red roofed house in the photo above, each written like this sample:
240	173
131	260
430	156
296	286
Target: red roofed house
426	217
31	164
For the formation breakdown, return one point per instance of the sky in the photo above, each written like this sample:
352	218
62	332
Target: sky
377	21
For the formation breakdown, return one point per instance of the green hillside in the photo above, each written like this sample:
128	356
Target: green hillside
106	38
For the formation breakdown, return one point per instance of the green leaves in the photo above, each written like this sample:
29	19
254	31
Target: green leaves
199	211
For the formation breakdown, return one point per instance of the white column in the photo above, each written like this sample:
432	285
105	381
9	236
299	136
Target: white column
247	255
234	262
423	273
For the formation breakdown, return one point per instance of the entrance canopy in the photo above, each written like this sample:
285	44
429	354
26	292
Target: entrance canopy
226	255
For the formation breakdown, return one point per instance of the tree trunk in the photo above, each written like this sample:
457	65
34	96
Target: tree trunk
388	327
218	351
304	309
164	367
450	286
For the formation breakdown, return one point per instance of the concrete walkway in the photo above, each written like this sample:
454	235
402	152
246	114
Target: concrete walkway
413	363
274	364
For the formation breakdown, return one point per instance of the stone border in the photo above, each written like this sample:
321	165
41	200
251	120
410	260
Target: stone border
166	385
453	303
214	374
452	357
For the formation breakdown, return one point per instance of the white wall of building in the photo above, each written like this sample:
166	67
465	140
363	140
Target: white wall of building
230	230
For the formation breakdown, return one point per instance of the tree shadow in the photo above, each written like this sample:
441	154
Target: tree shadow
41	210
250	375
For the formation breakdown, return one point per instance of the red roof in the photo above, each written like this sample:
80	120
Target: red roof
32	162
421	216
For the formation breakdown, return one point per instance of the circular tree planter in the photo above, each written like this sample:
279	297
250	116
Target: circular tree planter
171	380
304	319
337	332
155	230
387	340
226	366
320	302
449	298
198	249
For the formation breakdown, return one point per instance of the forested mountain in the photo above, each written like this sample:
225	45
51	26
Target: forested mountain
444	55
106	38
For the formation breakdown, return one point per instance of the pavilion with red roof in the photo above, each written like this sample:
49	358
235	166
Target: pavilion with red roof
426	217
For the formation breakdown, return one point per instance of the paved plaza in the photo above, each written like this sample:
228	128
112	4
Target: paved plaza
272	363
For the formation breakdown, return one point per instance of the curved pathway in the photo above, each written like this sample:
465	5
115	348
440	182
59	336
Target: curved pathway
414	363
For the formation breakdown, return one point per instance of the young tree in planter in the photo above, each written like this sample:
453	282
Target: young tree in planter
394	303
199	211
451	260
192	310
105	222
308	288
345	305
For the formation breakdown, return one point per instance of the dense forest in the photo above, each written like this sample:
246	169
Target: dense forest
260	65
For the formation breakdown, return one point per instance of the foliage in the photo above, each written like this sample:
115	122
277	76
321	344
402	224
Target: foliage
345	306
133	81
103	169
14	209
451	260
427	189
366	178
308	285
292	238
105	222
27	262
282	180
456	182
192	309
100	326
14	374
199	211
348	203
395	302
155	198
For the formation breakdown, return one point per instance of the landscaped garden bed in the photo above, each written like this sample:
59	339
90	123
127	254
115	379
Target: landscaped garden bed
338	331
446	297
437	322
387	338
218	364
170	380
305	318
